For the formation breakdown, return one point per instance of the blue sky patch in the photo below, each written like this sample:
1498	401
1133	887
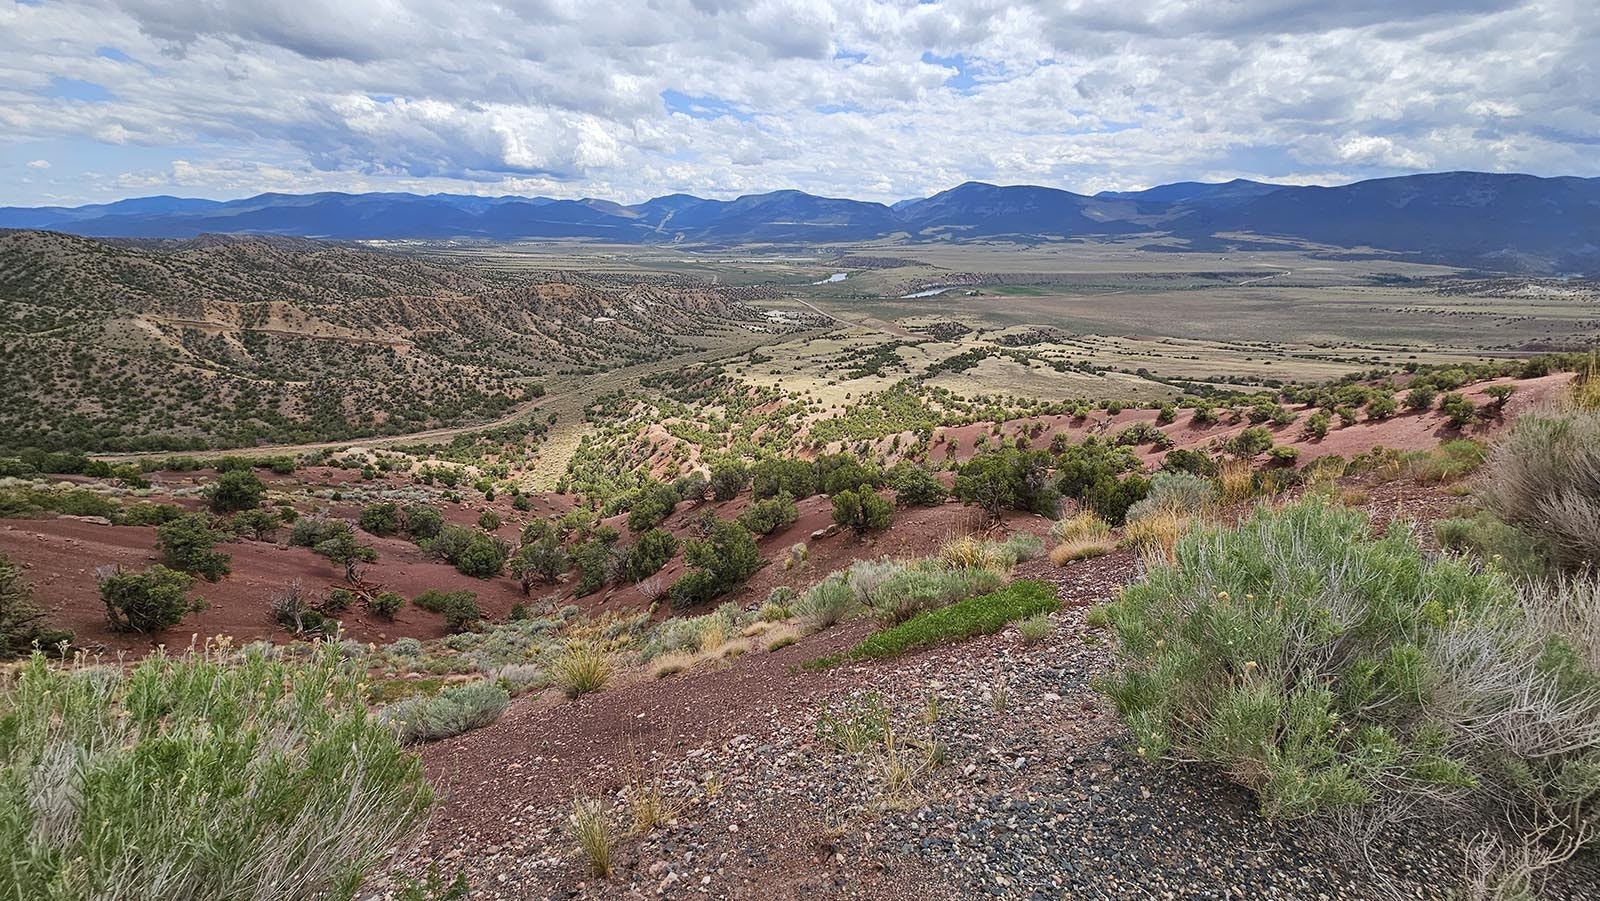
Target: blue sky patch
77	89
702	107
962	80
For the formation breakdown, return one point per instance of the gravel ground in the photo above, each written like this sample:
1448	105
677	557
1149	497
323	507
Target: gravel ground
1007	777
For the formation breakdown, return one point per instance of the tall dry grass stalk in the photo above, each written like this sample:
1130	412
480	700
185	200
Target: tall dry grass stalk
1235	483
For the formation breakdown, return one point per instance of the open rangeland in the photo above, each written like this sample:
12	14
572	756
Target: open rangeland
786	586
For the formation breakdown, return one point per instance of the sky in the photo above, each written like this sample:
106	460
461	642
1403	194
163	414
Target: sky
872	99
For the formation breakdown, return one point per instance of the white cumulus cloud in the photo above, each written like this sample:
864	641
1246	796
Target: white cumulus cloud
881	99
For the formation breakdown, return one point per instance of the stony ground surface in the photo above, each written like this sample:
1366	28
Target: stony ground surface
991	769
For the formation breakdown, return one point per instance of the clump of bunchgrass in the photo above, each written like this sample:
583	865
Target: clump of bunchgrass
591	828
1084	524
582	669
1082	548
1035	628
1236	482
1155	535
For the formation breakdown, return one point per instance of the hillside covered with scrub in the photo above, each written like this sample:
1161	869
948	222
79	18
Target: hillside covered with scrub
1244	648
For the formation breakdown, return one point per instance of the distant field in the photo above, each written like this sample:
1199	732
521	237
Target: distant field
1249	317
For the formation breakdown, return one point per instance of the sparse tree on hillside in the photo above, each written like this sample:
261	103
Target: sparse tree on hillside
150	600
1498	395
543	558
344	550
862	511
1420	398
728	478
21	618
236	490
187	545
258	523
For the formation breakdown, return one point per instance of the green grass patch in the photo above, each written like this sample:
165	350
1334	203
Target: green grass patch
388	691
985	614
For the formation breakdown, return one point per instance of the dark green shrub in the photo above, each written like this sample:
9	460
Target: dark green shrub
1317	424
769	477
1283	456
721	560
310	531
233	463
386	604
22	620
538	530
236	490
862	511
842	472
691	487
1110	498
597	563
338	600
1082	467
188	544
258	523
79	502
771	514
694	587
459	608
145	513
381	519
422	522
1461	412
1250	443
652	503
917	487
1420	398
728	478
1194	462
470	551
488	520
150	600
1382	405
543	558
651	552
1008	479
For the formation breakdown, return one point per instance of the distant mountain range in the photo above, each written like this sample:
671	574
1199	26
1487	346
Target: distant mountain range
1518	223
